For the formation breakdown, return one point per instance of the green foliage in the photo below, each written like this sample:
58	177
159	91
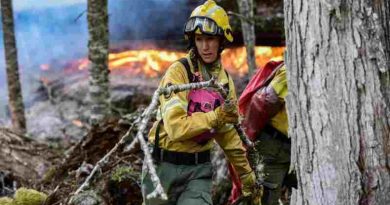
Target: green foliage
6	201
49	174
122	173
25	196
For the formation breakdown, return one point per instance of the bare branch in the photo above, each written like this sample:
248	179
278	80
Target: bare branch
237	126
80	15
143	121
167	91
159	191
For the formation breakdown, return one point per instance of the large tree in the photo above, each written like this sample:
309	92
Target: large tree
15	99
98	56
248	31
338	63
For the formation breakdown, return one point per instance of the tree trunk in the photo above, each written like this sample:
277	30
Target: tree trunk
98	56
11	57
248	31
338	103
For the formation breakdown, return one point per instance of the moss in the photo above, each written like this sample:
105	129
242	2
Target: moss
124	186
25	196
6	201
49	174
122	173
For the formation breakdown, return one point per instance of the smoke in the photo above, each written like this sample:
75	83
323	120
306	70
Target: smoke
153	19
51	33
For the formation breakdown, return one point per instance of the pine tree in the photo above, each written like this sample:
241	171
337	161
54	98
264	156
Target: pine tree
98	56
16	105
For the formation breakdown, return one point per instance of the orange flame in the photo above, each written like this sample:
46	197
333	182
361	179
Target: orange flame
234	60
82	64
149	62
154	62
78	123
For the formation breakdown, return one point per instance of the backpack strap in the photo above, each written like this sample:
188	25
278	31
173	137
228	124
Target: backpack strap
227	87
191	77
156	147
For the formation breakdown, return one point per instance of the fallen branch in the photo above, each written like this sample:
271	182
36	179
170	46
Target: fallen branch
167	91
143	121
237	126
146	115
134	144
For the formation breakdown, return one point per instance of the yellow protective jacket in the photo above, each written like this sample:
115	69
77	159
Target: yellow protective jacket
279	84
178	128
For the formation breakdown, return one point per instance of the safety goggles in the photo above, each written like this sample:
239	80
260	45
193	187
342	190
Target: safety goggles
206	26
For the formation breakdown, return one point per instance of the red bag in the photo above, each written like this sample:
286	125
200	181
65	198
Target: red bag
259	79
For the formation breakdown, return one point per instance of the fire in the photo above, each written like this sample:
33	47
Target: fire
78	123
154	62
149	62
82	64
234	60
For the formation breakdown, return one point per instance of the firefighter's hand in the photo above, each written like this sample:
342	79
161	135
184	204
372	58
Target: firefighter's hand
226	114
230	106
248	182
249	189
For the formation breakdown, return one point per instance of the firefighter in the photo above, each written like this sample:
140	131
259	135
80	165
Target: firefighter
189	122
266	123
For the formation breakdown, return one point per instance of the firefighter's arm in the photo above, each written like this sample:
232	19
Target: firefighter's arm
177	123
265	104
230	142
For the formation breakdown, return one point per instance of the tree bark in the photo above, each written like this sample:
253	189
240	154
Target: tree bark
338	104
98	56
11	57
248	31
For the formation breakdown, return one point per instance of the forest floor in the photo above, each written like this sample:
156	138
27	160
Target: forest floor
59	166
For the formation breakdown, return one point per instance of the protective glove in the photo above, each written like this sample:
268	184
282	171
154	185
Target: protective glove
230	106
250	191
227	113
248	182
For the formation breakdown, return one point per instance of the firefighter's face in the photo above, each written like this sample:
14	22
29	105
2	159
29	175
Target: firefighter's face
207	47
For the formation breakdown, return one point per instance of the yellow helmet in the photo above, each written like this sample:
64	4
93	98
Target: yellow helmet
209	18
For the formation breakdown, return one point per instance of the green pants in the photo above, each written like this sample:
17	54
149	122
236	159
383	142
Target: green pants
184	184
275	154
